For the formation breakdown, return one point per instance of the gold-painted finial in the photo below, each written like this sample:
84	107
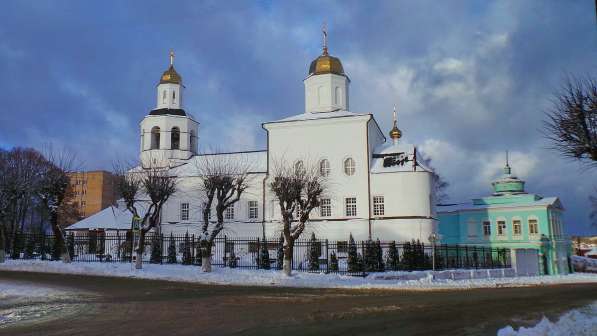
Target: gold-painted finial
170	75
324	30
395	133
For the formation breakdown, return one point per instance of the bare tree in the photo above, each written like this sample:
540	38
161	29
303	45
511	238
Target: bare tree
440	185
23	171
224	179
593	213
54	194
298	189
145	190
3	201
571	124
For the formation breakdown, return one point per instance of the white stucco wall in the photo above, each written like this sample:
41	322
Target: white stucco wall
186	125
173	96
326	92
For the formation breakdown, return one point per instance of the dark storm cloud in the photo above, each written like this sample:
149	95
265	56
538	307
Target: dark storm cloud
471	79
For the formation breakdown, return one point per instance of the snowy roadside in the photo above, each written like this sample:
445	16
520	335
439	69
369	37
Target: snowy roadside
25	302
578	322
245	277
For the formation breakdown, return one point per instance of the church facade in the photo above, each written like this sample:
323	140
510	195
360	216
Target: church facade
528	224
377	186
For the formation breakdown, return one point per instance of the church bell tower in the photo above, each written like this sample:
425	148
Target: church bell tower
168	133
326	86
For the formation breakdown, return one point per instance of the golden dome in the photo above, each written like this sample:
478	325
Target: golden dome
171	76
395	133
326	64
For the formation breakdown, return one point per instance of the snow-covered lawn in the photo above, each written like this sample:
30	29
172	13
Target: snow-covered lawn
578	322
227	276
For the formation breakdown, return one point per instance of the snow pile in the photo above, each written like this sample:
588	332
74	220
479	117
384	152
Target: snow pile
248	277
584	264
580	322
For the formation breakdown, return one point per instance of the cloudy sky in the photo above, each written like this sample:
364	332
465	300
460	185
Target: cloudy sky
471	79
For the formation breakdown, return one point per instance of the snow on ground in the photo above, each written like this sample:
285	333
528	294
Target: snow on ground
584	264
9	289
579	322
227	276
24	301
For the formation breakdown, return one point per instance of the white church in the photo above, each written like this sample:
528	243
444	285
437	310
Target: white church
378	188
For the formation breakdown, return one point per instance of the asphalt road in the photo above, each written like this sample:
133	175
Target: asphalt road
120	306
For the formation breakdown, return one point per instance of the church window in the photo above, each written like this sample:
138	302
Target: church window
486	228
349	167
320	95
325	207
175	138
299	167
173	97
351	206
516	227
253	210
472	228
184	211
192	141
533	227
155	138
501	227
164	97
229	213
324	167
378	206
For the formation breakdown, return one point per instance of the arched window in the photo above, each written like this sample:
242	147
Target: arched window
320	95
324	167
299	166
349	167
164	97
173	97
175	138
155	138
192	141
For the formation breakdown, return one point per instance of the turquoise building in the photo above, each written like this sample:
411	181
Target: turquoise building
511	218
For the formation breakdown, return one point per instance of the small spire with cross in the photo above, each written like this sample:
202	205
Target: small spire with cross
171	57
395	133
324	30
507	169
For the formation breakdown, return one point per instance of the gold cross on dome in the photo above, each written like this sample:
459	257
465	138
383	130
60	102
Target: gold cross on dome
171	57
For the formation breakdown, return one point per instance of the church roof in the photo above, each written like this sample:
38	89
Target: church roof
168	111
111	218
472	206
319	116
256	162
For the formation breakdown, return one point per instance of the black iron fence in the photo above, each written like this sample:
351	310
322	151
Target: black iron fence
310	255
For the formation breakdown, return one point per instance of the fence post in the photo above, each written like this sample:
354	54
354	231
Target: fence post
225	243
161	248
258	253
362	258
327	257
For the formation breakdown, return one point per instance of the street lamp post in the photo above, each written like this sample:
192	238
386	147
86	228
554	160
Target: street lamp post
433	238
